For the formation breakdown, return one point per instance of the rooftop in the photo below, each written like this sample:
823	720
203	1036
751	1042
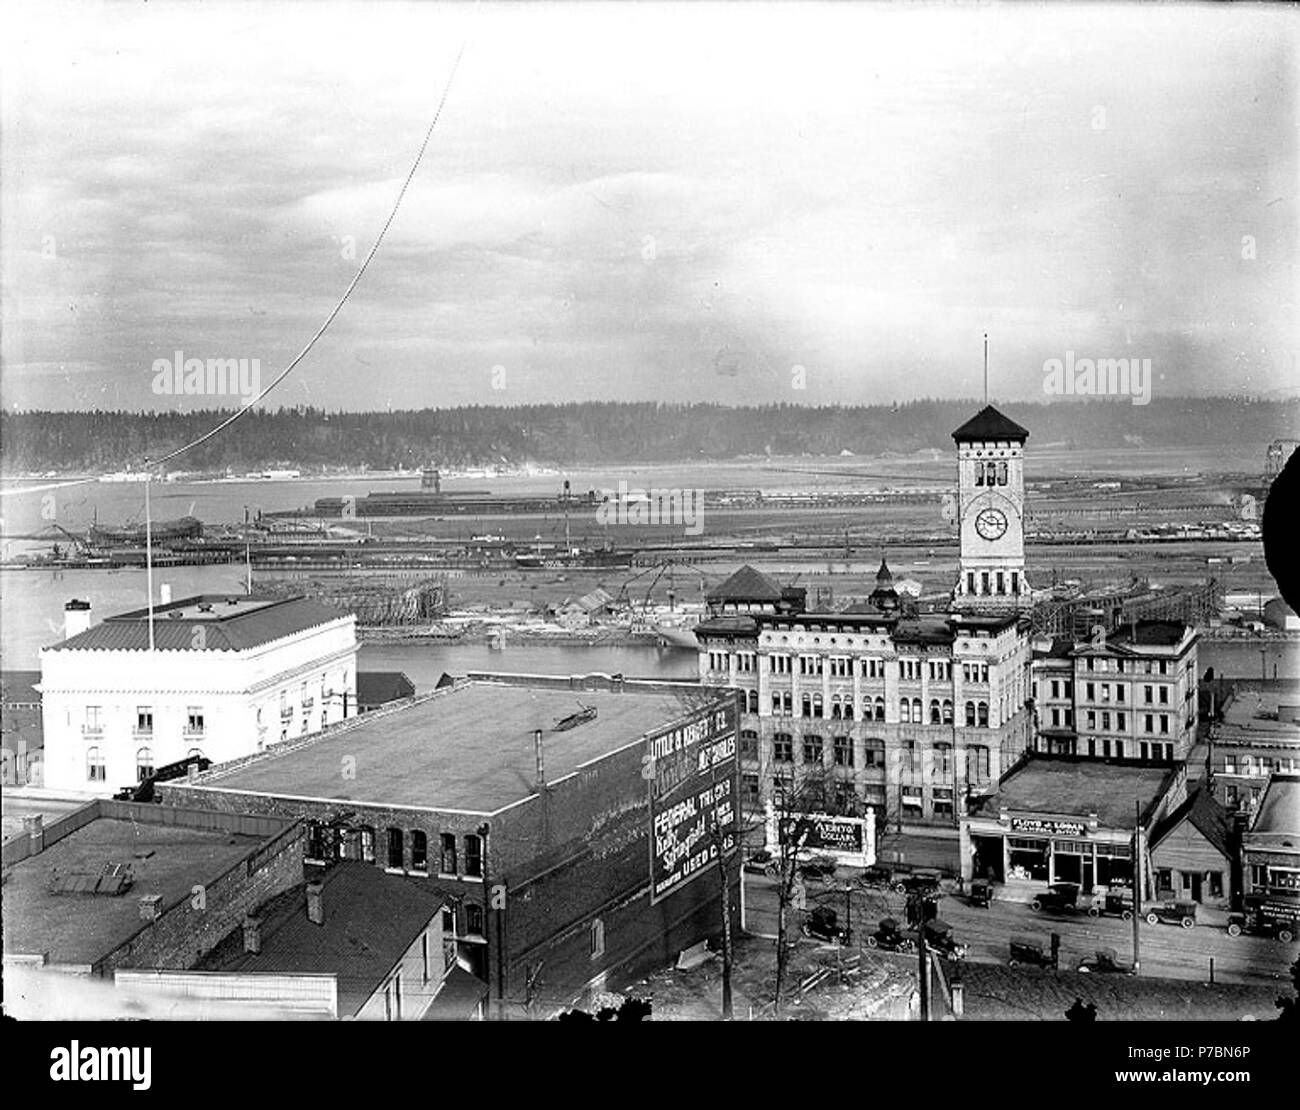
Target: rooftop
233	622
1278	819
1150	633
378	687
370	919
19	686
82	928
1077	788
467	747
747	584
989	424
1207	816
1259	711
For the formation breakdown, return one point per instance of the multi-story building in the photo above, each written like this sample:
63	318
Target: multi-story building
1254	733
1129	695
213	676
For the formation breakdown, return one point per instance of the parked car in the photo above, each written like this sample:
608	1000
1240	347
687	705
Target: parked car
1106	961
981	893
1029	950
938	935
924	880
1057	898
1267	919
877	875
1173	913
761	862
822	923
889	936
1116	903
818	867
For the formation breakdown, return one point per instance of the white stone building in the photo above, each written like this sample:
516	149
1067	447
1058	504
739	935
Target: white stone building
219	676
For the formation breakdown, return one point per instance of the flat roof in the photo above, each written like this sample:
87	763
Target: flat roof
1077	787
82	928
468	747
1278	820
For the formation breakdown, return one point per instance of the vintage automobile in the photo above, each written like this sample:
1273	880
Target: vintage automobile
761	862
1266	919
817	867
889	935
1057	898
1028	950
924	880
938	936
1172	913
1116	903
877	875
823	924
1106	961
980	893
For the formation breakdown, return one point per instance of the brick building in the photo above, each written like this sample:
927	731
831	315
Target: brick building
570	826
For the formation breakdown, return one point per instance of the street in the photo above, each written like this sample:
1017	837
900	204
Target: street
1167	951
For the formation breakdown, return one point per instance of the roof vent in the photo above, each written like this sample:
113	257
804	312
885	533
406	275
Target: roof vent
205	607
232	601
175	614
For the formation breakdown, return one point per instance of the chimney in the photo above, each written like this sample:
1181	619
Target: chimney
541	761
316	903
192	772
34	826
165	593
76	618
252	935
151	907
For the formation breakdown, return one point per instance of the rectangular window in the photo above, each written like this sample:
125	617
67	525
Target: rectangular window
979	762
912	799
875	754
448	864
812	749
749	790
473	919
419	851
783	748
396	847
942	801
473	856
194	720
843	751
367	844
748	744
1121	721
144	718
94	720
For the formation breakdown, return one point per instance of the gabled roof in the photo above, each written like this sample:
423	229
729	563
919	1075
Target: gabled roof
227	622
378	687
988	424
370	919
747	584
1208	818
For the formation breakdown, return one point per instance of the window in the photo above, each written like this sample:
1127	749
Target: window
783	748
943	759
1216	884
905	711
94	720
942	801
1092	691
1105	721
911	756
970	714
751	701
875	754
1119	691
143	764
817	705
396	848
947	711
194	720
597	939
448	864
1148	723
880	709
473	919
843	751
144	719
912	800
1164	723
367	842
1092	719
1056	718
748	744
749	790
916	711
1056	688
474	856
419	850
812	749
95	766
983	712
1148	694
936	715
978	757
1164	695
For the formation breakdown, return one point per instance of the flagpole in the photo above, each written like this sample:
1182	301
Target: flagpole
986	368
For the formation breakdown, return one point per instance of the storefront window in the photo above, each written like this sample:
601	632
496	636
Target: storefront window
1028	859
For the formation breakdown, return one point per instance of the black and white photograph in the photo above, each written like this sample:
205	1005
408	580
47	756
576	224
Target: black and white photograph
652	511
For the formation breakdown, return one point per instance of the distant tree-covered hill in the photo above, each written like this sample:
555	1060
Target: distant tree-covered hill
589	433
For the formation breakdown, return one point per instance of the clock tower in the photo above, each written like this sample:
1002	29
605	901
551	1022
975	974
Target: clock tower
991	514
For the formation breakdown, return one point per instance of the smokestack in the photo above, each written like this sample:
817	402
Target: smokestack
76	618
165	593
316	903
252	935
541	761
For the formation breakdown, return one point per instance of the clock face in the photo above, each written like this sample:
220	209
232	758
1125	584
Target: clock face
991	523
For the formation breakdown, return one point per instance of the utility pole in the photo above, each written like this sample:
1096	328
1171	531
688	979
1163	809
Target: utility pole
923	957
726	922
1137	879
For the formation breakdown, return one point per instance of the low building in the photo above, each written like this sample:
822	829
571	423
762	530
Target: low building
1271	846
1256	735
21	731
1194	855
377	937
214	676
379	688
1066	819
572	824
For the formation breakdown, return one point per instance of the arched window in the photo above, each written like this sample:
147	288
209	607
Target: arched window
848	709
1002	474
935	716
419	850
194	753
95	766
395	849
970	714
143	764
916	710
880	709
984	714
947	711
905	711
752	701
835	707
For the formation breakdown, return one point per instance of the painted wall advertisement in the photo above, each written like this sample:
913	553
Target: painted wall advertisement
692	772
824	833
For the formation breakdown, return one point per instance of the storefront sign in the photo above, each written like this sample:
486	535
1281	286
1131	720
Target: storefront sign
826	833
693	776
1048	828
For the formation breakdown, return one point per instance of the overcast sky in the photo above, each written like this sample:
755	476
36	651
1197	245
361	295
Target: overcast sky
646	201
